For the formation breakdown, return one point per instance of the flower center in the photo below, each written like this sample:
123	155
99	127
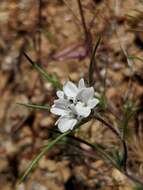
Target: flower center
71	101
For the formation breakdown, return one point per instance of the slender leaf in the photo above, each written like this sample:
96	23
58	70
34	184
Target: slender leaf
94	146
119	158
93	62
135	57
128	112
42	153
54	81
48	147
34	106
138	187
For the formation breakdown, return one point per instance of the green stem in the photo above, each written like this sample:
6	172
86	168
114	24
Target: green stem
49	146
34	106
104	155
42	153
119	137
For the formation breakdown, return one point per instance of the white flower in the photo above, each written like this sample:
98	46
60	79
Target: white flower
73	104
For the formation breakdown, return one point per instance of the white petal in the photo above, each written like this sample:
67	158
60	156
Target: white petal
92	102
70	89
85	94
61	103
81	84
81	110
59	111
66	123
58	120
60	94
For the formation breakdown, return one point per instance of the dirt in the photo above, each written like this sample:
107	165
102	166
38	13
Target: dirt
56	39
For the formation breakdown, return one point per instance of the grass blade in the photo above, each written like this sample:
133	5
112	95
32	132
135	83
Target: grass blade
42	153
48	147
34	106
44	73
135	57
93	62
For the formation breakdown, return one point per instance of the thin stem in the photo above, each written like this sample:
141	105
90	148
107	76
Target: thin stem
42	153
48	147
134	178
88	38
119	136
43	72
104	154
99	118
34	106
93	65
93	146
124	170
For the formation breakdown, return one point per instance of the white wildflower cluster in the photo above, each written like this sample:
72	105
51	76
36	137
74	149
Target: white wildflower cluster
73	104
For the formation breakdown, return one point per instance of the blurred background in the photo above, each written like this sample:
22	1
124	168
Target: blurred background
53	33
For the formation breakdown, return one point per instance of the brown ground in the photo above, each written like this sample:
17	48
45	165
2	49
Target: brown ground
24	131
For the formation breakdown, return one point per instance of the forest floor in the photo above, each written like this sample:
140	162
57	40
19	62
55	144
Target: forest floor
54	36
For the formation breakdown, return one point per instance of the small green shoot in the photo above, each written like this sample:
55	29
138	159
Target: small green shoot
103	102
128	111
119	158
